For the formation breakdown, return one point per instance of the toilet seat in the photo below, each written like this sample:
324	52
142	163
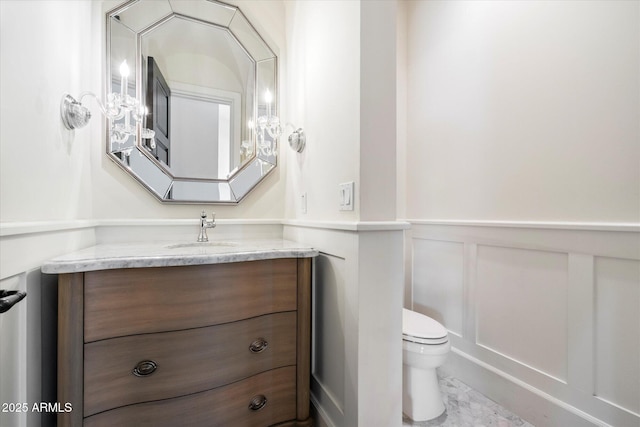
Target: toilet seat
422	329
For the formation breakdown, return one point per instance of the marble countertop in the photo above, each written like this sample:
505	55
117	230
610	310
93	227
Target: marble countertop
169	254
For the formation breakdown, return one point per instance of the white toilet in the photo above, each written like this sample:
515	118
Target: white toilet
425	346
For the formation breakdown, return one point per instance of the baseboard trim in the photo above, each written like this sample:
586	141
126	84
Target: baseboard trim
528	402
319	415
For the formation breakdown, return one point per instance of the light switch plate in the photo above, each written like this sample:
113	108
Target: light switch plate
303	202
346	196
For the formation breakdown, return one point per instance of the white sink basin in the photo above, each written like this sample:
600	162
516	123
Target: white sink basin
200	245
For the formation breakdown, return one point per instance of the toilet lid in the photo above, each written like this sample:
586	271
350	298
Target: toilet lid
419	328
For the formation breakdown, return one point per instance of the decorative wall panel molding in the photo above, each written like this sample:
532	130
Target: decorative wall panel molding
439	282
521	306
553	309
328	335
617	332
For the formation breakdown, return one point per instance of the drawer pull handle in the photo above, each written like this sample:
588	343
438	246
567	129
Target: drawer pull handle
145	368
257	402
258	346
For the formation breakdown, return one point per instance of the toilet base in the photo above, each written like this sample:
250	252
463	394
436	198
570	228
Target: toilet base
421	398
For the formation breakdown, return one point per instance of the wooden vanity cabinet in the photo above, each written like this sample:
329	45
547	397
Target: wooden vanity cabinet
207	345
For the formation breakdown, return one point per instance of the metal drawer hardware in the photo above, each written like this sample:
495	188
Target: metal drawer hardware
145	368
258	345
257	402
9	298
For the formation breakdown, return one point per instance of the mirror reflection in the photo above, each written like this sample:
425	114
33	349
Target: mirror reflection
196	78
200	68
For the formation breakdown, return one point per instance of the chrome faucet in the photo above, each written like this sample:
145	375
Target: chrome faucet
204	224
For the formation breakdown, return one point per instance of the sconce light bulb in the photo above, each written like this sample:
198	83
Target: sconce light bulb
268	97
124	69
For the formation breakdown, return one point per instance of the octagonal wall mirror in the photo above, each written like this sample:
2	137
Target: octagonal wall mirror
204	75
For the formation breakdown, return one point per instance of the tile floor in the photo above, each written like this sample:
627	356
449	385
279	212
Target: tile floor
468	408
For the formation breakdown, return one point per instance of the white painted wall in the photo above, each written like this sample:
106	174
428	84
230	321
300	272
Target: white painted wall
323	97
45	51
401	109
341	90
378	103
523	110
522	179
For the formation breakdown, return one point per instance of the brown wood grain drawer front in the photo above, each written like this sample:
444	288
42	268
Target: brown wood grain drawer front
143	300
222	407
187	361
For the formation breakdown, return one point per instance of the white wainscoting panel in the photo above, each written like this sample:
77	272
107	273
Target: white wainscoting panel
438	281
617	332
328	334
580	317
334	370
521	306
13	354
357	320
550	314
28	330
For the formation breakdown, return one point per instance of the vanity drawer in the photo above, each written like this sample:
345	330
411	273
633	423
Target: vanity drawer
186	361
223	407
143	300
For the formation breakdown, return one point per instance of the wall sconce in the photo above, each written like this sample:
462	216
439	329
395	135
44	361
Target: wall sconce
297	140
270	125
118	106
